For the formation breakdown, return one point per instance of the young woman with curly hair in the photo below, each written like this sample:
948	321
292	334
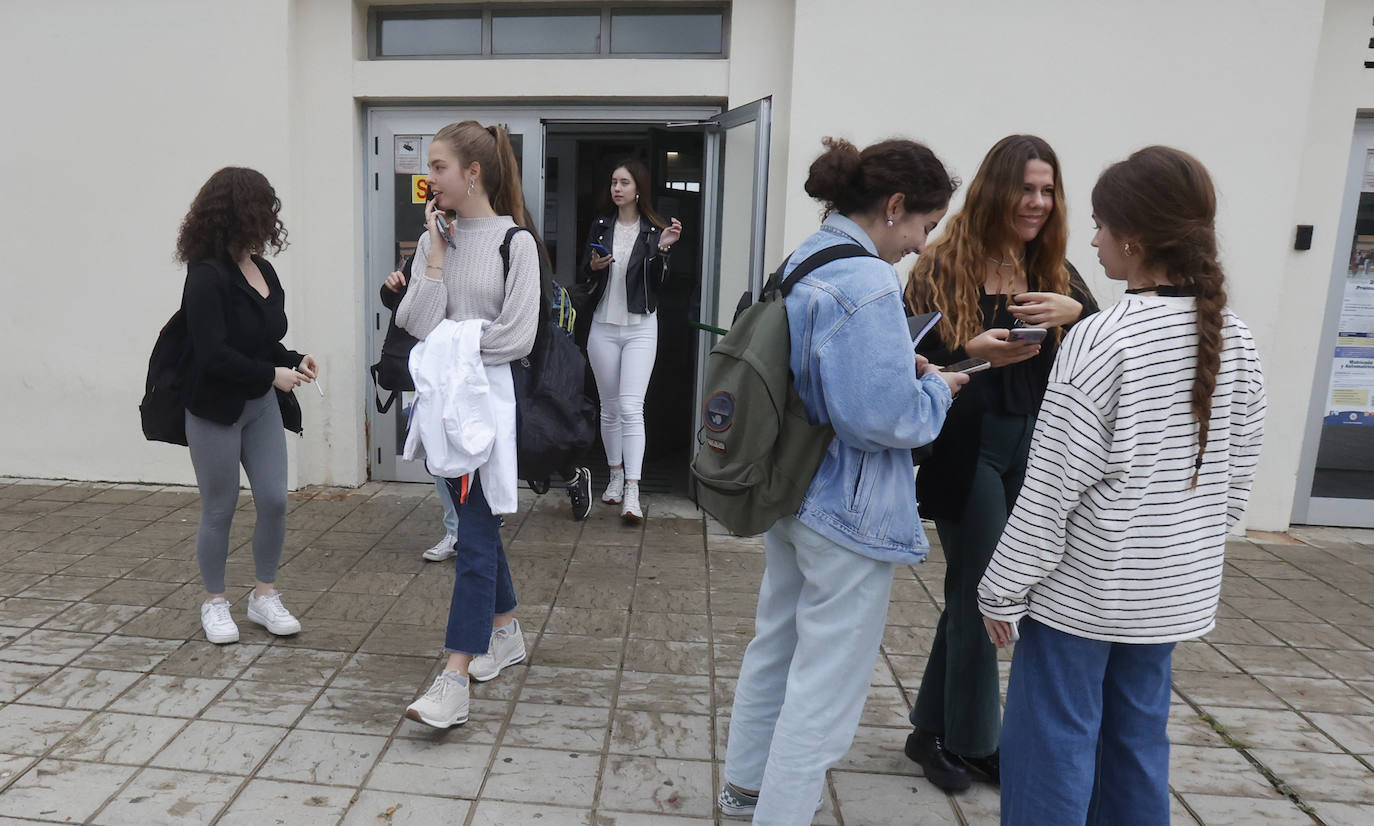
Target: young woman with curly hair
1142	462
999	266
238	388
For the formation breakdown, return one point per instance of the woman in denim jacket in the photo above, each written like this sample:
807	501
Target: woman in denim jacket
823	600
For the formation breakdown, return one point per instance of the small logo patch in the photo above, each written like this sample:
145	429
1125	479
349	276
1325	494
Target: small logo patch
719	412
716	445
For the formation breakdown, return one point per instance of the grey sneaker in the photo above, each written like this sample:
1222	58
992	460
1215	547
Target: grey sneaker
734	803
443	549
507	647
219	626
268	612
444	705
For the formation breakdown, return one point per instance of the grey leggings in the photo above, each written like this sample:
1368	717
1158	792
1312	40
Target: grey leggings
258	442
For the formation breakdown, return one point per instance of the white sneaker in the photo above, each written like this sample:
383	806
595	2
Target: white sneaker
220	628
445	704
630	512
443	549
507	647
615	491
271	614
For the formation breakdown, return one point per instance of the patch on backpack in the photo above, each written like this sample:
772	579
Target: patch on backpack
720	412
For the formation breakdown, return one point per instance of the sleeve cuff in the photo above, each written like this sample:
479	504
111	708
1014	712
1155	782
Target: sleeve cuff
1004	611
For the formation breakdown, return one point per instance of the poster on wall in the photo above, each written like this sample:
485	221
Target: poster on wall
1350	399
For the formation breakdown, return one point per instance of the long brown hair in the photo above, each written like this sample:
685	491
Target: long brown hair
640	173
949	275
1163	199
490	147
235	211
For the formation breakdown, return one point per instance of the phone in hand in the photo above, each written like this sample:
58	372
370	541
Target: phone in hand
968	366
598	249
445	228
1026	335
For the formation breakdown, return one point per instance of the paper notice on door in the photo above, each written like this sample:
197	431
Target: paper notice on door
408	153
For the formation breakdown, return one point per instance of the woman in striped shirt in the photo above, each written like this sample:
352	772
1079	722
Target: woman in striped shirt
1141	463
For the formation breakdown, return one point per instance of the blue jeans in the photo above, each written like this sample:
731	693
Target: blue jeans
483	587
450	514
1083	734
806	673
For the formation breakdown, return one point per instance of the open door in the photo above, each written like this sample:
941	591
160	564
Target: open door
735	201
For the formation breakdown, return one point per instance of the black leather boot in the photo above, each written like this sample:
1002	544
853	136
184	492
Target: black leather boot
941	766
990	767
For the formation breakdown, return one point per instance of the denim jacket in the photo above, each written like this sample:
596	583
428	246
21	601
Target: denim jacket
852	359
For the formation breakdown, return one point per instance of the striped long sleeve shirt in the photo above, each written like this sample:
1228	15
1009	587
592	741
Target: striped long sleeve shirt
1108	540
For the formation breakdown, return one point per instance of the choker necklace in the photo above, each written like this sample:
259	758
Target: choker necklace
1166	290
999	262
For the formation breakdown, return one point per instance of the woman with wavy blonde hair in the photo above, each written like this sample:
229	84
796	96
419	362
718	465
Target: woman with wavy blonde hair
999	276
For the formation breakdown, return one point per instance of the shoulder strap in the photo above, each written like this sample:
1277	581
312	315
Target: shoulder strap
815	261
505	248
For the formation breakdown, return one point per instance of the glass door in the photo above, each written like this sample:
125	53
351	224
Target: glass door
1336	477
398	152
735	198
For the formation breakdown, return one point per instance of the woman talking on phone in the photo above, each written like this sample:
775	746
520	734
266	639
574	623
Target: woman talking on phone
625	265
999	276
238	387
473	175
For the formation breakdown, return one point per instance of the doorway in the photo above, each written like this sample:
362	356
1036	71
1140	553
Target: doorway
708	169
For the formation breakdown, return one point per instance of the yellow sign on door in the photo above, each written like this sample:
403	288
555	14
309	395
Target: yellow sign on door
419	189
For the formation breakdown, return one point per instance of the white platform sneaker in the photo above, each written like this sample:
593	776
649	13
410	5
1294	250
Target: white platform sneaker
444	705
507	647
443	549
219	626
630	512
268	612
615	491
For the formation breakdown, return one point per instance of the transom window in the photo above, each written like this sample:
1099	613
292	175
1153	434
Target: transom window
569	30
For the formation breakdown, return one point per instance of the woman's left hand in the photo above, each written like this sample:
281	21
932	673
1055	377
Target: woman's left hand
308	368
998	631
670	235
1046	309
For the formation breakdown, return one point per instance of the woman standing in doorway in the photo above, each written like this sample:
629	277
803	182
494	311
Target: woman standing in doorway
624	267
473	175
998	270
238	386
1142	463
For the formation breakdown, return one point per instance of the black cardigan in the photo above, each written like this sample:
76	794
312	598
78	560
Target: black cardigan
644	274
942	486
235	337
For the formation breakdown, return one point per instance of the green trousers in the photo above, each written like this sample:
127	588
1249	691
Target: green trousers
959	696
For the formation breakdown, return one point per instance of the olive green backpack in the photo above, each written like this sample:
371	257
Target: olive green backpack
757	451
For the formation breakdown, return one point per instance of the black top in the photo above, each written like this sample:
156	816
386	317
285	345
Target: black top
235	336
1015	390
644	274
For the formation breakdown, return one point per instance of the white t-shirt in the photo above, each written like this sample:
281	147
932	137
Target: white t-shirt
613	309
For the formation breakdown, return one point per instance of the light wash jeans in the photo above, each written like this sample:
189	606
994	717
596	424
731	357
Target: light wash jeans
450	515
806	674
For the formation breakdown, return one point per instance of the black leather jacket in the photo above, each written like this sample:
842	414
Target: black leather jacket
644	275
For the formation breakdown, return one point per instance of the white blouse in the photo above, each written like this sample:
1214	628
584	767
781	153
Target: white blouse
613	308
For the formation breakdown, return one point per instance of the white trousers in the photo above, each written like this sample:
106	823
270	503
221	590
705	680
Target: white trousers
622	359
806	673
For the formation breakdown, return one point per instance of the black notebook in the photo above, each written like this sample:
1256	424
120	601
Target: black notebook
922	324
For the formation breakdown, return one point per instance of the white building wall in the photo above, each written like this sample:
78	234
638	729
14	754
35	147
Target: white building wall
1227	80
114	118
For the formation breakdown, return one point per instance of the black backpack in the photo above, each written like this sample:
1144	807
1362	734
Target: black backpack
163	409
392	370
555	422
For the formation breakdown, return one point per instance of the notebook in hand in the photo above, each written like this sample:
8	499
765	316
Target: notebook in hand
922	324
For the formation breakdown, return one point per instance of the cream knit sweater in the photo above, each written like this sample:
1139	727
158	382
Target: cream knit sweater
474	286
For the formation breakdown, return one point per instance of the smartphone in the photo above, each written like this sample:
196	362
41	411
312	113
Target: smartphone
919	325
445	229
1026	335
598	249
968	366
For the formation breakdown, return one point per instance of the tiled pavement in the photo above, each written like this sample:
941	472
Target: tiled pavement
113	710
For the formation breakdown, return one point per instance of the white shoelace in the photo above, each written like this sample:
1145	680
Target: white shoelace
219	612
273	605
